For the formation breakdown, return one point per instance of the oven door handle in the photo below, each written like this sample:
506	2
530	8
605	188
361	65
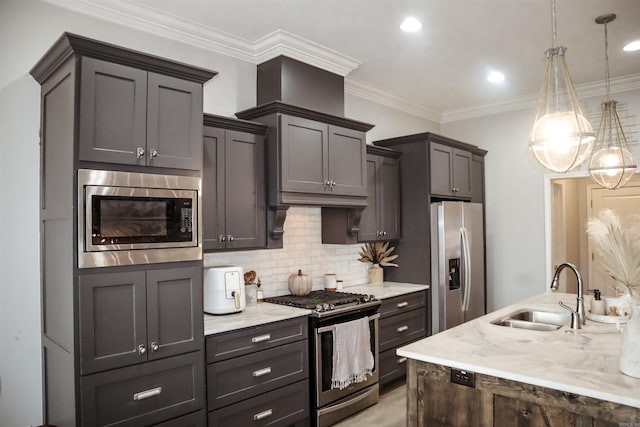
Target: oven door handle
331	327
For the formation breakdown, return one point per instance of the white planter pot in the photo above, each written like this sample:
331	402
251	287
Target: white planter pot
630	352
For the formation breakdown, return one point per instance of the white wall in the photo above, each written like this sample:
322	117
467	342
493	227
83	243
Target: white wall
515	207
27	29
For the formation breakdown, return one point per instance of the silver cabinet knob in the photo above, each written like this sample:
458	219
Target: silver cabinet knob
384	233
230	238
154	346
139	153
222	238
333	183
153	153
141	350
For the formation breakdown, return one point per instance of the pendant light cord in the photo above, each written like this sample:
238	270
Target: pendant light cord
554	30
606	56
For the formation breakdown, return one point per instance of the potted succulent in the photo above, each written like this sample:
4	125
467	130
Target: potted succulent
620	257
379	255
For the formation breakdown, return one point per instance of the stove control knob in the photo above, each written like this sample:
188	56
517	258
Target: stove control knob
372	298
364	298
319	308
325	307
332	306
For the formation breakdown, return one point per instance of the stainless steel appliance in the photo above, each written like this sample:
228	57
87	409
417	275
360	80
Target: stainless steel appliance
331	308
224	289
136	218
457	264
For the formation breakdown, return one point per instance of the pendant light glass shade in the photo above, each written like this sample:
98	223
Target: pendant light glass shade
612	164
561	137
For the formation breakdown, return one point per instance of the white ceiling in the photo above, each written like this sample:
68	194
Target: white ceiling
439	71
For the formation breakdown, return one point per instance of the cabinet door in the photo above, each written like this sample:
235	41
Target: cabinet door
370	219
113	108
174	311
244	189
477	179
112	320
347	162
174	123
389	190
304	166
213	232
461	173
440	162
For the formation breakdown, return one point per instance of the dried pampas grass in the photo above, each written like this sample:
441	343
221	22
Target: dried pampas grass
619	249
378	253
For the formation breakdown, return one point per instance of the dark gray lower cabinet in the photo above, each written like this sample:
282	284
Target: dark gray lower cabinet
196	419
259	376
403	319
134	316
144	394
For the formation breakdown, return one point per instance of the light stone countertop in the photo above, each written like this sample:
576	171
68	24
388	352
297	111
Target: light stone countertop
252	315
386	289
584	362
259	314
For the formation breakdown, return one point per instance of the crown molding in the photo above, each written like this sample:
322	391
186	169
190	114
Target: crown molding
281	42
586	90
363	90
149	20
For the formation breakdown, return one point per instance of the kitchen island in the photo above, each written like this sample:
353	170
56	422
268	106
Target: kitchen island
515	376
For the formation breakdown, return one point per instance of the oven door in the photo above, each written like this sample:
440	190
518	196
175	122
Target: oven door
324	364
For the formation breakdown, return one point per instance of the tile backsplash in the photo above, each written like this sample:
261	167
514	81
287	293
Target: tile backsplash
303	249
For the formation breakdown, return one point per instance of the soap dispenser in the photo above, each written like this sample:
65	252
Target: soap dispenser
597	305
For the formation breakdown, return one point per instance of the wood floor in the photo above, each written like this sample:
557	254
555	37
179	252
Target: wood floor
391	411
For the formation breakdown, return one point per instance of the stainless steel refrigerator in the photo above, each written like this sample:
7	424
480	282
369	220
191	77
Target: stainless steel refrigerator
457	264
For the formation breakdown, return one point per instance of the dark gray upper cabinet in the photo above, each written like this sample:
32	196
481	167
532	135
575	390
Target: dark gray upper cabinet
380	220
131	317
233	184
321	159
135	117
477	178
450	171
312	158
131	108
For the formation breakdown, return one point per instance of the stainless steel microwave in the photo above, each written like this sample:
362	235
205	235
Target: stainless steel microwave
129	218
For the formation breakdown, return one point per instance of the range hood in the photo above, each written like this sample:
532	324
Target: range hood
314	155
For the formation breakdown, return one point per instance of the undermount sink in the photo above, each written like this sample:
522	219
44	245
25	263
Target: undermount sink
537	320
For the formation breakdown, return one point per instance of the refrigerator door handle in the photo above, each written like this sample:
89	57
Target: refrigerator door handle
466	268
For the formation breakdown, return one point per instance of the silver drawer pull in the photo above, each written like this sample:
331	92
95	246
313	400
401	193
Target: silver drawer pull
403	328
402	304
262	372
262	415
141	395
402	360
261	338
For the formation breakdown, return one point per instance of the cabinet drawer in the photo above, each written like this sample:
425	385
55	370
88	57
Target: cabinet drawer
403	303
144	394
197	419
238	343
392	366
402	328
233	380
282	407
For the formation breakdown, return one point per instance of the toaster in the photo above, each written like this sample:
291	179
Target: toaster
224	289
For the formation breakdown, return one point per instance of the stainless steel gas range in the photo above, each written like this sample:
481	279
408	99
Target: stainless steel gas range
330	405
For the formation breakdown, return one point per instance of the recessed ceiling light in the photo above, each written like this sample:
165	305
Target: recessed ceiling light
410	25
633	46
495	77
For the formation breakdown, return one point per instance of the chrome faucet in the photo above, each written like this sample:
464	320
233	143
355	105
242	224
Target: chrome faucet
554	287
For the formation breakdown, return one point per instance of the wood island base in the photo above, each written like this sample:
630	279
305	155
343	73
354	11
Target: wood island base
434	400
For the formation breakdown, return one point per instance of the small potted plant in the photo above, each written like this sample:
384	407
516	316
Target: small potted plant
378	254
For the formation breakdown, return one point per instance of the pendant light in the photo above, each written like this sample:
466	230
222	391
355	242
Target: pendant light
612	165
562	137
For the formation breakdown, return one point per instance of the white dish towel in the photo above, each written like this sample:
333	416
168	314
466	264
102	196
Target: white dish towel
352	357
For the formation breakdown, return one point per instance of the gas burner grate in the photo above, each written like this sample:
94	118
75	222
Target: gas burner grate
316	298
